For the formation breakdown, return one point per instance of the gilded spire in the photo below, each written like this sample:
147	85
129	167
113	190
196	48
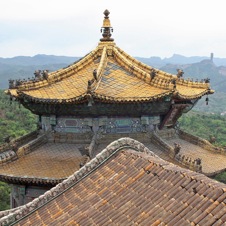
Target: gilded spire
106	29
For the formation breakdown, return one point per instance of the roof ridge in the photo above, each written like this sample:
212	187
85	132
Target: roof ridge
134	60
141	73
164	75
183	171
99	71
59	74
115	147
145	66
109	151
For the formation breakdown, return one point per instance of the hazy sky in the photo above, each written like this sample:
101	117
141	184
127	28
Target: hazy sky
141	28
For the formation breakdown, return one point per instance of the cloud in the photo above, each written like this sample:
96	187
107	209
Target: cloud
142	28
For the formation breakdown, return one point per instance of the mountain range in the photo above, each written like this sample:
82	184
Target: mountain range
42	59
179	59
194	67
23	67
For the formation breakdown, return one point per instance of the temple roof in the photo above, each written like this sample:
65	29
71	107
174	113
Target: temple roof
127	184
107	74
49	164
48	161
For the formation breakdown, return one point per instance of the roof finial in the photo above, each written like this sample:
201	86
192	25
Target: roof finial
106	29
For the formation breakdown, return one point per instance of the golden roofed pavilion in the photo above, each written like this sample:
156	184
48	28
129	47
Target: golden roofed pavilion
105	75
104	96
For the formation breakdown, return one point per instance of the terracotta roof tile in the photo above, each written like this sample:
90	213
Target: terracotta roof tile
219	211
179	221
218	223
206	204
222	198
223	218
180	208
208	220
213	195
171	221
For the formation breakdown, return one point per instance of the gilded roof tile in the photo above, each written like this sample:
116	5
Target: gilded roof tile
50	163
113	76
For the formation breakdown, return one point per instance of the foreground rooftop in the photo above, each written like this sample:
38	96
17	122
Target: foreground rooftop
127	184
49	159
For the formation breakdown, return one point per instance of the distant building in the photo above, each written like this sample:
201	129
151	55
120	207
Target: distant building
211	57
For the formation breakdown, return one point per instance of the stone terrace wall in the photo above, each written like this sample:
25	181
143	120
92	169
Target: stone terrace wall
32	145
192	164
164	146
19	141
157	139
200	142
78	138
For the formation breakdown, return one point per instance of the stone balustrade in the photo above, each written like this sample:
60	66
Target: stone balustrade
157	140
192	164
32	145
9	151
7	156
15	143
4	147
200	142
26	138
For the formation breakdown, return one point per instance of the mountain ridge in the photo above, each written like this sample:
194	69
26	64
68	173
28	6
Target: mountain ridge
40	59
23	67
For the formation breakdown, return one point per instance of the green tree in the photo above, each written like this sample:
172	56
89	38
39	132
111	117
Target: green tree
15	120
12	124
4	196
205	125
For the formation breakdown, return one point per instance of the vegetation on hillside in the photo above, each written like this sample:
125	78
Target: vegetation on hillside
205	125
216	105
15	120
221	177
4	196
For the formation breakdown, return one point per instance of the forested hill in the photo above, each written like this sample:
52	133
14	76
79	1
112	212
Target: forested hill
23	67
201	70
217	76
195	67
40	59
15	120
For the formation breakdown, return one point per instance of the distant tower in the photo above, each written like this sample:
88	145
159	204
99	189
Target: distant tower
211	57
